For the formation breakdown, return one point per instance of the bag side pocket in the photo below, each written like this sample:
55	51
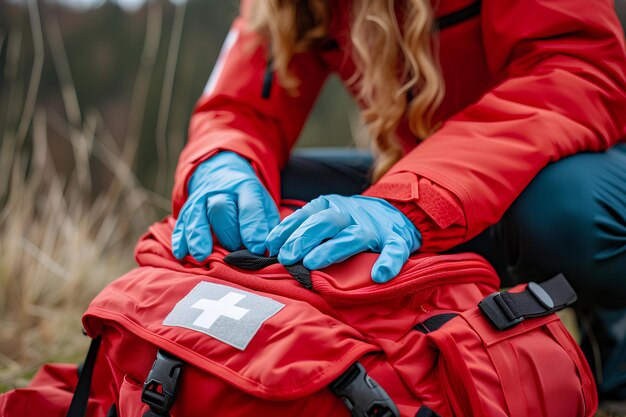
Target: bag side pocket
532	369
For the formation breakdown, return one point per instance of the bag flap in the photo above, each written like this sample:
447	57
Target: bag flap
267	345
345	283
350	281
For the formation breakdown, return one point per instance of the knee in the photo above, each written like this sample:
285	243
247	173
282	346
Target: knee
563	223
555	211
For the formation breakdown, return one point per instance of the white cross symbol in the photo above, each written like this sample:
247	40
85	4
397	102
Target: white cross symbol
213	310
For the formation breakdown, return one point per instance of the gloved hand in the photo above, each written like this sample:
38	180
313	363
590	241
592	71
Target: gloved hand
225	195
332	228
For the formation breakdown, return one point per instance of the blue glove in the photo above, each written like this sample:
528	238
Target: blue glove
225	195
332	228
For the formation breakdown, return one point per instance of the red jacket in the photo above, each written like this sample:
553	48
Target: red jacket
528	82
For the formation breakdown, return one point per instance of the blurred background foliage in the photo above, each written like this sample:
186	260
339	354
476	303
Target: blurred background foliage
94	107
105	48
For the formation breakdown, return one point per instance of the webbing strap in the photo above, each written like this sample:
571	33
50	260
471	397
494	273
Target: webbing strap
507	309
78	406
434	323
245	259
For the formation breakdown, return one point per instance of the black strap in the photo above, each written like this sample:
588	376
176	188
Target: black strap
362	395
78	406
435	322
152	413
300	274
507	309
459	16
245	259
267	80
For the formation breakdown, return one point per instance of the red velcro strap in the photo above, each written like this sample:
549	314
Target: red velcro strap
438	208
403	186
397	187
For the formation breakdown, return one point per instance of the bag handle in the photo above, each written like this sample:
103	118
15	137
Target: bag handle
245	259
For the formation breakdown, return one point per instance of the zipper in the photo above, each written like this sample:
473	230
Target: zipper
439	270
421	278
459	16
425	274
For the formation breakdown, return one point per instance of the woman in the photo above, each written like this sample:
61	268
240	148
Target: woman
527	83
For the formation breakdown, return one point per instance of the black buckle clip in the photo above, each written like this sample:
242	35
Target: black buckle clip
541	295
498	312
362	395
159	390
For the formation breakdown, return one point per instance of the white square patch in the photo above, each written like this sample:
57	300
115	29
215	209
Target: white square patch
230	315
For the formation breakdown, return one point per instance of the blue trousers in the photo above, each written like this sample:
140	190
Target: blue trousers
570	219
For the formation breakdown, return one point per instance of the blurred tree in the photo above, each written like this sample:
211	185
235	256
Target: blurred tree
103	48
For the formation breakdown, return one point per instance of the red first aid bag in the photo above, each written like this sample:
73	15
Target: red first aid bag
241	335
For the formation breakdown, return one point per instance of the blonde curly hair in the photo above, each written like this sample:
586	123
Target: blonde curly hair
397	69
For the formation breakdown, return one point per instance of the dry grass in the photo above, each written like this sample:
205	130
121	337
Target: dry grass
58	250
60	241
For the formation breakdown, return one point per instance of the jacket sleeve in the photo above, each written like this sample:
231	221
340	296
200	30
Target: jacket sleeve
233	115
562	90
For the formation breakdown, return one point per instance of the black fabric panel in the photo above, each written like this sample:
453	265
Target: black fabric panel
426	412
312	172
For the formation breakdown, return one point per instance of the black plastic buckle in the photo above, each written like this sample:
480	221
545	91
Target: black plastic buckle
498	312
362	395
541	295
159	390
